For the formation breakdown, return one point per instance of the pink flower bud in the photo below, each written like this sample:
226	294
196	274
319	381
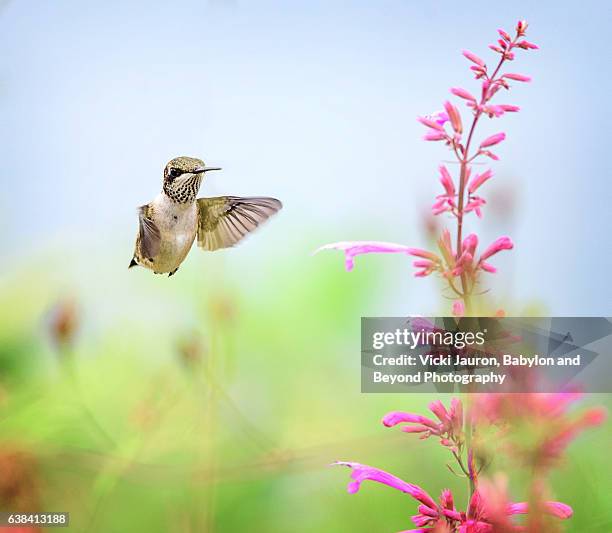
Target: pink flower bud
454	116
423	253
510	108
447	181
470	243
430	123
488	268
526	45
504	35
458	308
521	27
434	136
496	48
503	243
489	154
478	180
473	58
516	77
462	93
493	140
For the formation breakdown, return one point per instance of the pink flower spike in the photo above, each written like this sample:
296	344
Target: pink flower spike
473	58
503	243
458	308
353	248
493	140
361	473
517	77
447	181
455	117
478	180
462	93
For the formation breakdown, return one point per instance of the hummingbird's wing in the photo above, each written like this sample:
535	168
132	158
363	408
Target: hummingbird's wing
225	220
149	237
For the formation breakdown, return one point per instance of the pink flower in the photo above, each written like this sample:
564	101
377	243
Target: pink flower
478	180
361	473
449	428
473	58
470	243
435	136
493	140
503	243
462	93
458	308
353	248
447	181
521	27
454	116
517	77
474	204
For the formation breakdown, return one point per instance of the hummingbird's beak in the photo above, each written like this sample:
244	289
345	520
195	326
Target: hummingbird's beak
200	170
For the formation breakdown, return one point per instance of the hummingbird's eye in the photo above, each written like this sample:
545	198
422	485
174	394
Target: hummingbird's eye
175	172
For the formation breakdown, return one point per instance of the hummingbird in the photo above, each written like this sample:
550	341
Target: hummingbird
170	223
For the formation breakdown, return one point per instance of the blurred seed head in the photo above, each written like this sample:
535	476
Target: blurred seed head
64	322
191	350
19	491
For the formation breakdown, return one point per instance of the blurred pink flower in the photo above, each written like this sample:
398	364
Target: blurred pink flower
353	248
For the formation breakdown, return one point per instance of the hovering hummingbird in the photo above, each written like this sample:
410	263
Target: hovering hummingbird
170	223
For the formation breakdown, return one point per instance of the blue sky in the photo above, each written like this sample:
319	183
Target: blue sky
312	102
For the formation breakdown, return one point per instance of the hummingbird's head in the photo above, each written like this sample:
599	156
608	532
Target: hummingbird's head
182	178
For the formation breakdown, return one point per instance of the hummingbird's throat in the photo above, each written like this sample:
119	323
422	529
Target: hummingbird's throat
184	189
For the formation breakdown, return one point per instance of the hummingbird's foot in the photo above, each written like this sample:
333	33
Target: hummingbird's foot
173	272
133	263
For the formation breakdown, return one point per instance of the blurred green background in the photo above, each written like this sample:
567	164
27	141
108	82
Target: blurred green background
216	404
215	400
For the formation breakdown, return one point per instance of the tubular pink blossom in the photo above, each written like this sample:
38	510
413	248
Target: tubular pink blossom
458	308
399	417
504	35
478	180
418	252
473	58
353	248
434	136
487	267
470	243
454	116
526	45
447	181
521	27
361	473
516	77
430	123
438	409
558	509
493	140
462	93
510	108
503	243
